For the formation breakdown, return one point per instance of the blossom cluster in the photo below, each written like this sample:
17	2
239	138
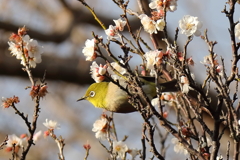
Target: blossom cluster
15	143
25	48
113	31
189	25
156	22
151	26
103	130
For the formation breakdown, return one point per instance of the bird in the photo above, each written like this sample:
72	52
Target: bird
109	96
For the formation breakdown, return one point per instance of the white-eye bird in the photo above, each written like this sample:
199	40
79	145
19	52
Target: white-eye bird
108	96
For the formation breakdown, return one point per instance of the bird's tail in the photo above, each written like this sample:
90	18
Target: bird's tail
170	86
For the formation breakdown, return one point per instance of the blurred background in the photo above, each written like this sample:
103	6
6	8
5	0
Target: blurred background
62	27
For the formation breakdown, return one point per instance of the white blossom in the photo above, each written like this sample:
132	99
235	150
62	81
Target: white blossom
160	24
32	46
153	58
50	124
190	25
89	50
98	72
120	24
14	140
34	51
101	127
15	50
159	4
154	4
112	32
149	25
120	148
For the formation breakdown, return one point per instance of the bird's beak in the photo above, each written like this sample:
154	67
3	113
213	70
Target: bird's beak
83	98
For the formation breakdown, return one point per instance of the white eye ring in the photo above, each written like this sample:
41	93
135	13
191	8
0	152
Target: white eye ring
92	94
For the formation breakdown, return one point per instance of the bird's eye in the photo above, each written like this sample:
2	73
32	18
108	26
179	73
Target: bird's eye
92	94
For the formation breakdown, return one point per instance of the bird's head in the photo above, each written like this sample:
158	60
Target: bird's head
96	94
